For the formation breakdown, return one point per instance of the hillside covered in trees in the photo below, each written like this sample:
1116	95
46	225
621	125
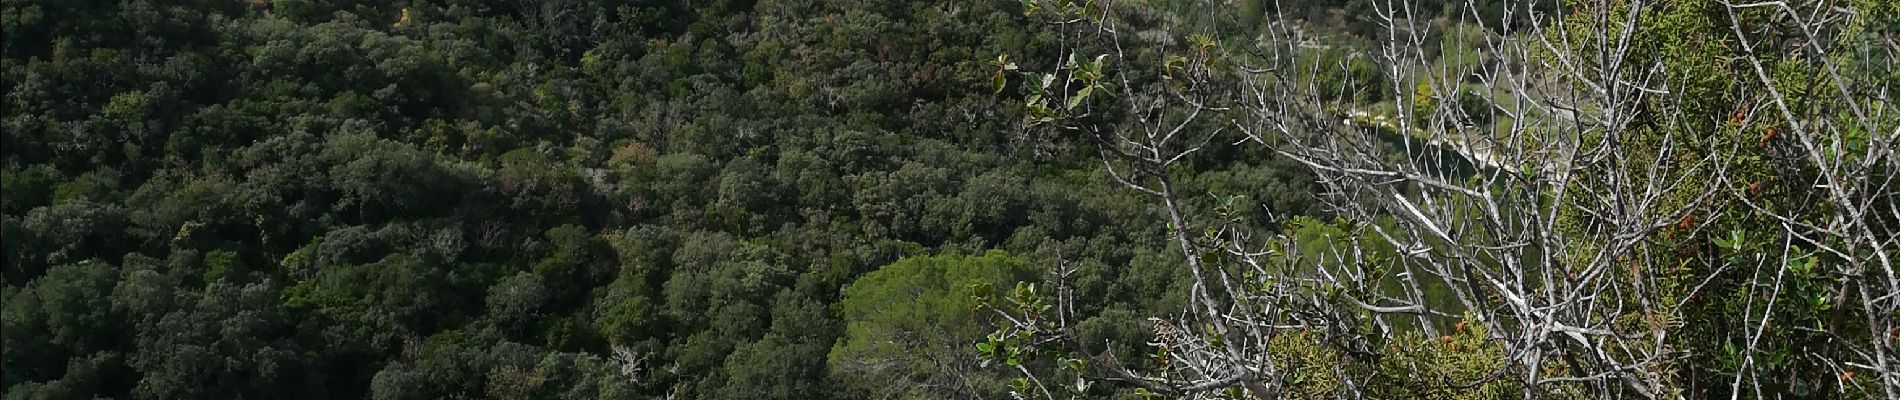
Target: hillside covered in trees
801	199
489	199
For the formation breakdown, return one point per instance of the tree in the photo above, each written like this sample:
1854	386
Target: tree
1582	242
516	303
908	326
789	362
219	343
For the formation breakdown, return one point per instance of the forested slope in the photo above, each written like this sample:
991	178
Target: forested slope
1049	199
488	199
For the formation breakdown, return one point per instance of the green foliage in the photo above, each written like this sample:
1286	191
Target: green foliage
457	198
908	325
1696	44
1348	76
1464	364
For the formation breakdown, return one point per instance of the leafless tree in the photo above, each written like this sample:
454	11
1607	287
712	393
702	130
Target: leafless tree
1542	227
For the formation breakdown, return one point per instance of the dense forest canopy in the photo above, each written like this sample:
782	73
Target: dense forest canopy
804	199
560	199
